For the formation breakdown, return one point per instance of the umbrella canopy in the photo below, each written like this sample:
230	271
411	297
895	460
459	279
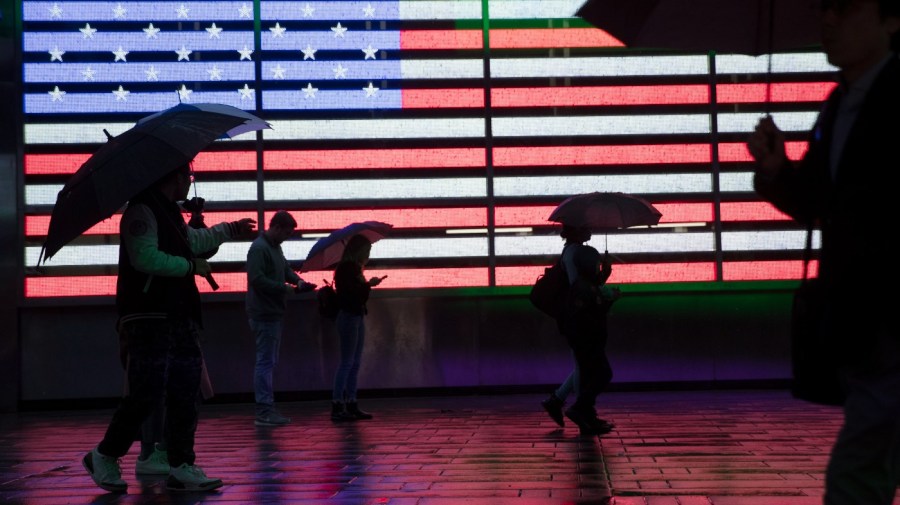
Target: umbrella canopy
605	211
133	161
727	26
327	251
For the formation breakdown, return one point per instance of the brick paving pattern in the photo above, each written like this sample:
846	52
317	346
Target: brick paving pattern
668	448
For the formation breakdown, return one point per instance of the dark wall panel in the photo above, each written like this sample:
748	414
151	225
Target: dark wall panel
433	342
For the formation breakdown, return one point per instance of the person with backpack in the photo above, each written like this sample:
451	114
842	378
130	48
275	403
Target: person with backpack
575	236
270	279
583	324
352	290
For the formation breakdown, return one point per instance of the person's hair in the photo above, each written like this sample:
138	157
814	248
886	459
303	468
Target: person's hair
180	170
283	219
575	233
357	249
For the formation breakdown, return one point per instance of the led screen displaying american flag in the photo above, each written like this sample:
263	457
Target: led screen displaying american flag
463	123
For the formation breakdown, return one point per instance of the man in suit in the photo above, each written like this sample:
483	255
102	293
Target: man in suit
847	184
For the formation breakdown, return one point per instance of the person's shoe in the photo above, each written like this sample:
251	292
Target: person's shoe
353	410
155	464
271	419
190	478
588	422
553	406
105	471
599	426
339	413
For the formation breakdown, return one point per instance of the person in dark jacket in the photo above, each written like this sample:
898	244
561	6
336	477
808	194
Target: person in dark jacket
573	236
583	323
847	183
159	319
270	280
352	290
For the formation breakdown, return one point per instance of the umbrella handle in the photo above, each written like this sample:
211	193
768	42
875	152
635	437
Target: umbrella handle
212	282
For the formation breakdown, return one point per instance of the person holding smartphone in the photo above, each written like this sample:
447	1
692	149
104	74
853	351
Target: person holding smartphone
352	290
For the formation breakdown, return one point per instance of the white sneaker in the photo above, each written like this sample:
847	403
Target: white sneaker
105	471
190	478
155	464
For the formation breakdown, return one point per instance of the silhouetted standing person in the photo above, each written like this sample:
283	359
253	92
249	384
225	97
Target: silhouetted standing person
847	182
352	290
270	279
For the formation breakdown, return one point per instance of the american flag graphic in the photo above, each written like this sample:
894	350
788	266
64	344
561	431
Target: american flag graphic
461	122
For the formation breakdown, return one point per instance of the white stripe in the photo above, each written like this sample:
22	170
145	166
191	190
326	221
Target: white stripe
782	240
300	191
601	66
532	9
88	133
746	122
565	126
739	182
571	185
442	69
294	250
376	129
456	9
781	63
348	189
619	242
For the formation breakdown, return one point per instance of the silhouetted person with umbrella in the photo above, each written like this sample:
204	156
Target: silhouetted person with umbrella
573	236
160	318
583	323
847	182
352	290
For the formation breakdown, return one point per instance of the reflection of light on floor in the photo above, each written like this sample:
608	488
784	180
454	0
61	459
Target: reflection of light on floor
457	449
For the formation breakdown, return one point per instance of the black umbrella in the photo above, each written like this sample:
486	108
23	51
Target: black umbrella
752	27
133	161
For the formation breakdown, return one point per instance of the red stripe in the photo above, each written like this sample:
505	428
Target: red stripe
622	273
564	96
601	155
327	220
442	98
440	39
507	38
766	270
37	226
43	287
375	159
448	217
751	211
506	216
534	38
61	164
736	152
236	282
780	92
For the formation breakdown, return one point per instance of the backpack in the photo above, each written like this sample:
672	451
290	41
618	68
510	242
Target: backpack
549	291
328	300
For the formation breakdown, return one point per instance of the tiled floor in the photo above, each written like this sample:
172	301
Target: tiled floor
669	448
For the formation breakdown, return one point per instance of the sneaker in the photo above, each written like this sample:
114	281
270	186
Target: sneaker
553	406
155	464
190	478
271	419
105	471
